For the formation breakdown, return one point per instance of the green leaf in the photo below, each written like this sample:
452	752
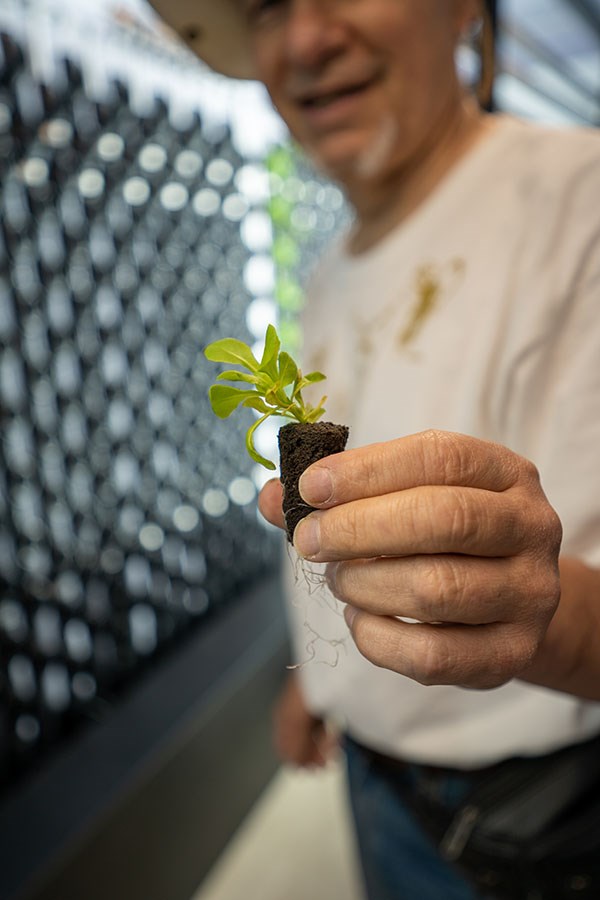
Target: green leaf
314	414
235	375
259	405
224	400
230	350
277	397
252	451
288	370
313	377
268	363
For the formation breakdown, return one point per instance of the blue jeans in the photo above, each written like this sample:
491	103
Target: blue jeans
399	861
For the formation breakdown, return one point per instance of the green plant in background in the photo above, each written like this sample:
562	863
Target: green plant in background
305	212
275	385
281	164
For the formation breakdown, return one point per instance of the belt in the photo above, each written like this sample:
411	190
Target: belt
394	765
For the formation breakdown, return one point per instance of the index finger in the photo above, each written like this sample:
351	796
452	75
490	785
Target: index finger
426	458
269	502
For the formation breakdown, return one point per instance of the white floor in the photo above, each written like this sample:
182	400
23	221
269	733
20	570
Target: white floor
296	844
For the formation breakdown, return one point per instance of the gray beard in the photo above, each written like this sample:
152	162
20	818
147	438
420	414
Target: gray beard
370	162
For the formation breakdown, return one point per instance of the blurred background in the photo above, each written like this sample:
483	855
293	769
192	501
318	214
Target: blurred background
148	207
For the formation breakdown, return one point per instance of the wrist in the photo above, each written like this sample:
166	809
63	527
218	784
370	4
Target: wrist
567	659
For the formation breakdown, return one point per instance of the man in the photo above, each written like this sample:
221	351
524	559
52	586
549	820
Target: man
458	312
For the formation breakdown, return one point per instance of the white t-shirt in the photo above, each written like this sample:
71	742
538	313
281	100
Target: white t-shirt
479	314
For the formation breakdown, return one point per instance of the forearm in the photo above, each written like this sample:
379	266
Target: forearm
569	657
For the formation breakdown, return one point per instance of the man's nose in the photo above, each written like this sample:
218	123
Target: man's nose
315	32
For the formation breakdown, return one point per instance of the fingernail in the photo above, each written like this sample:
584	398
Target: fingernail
307	536
350	615
331	576
316	485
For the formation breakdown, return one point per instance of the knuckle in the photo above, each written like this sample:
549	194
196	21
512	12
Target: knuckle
464	519
520	648
506	657
351	525
528	471
531	592
545	533
511	525
547	591
442	449
552	528
537	507
441	591
434	660
340	528
441	662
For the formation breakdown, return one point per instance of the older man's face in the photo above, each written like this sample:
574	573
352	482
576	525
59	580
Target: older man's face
361	83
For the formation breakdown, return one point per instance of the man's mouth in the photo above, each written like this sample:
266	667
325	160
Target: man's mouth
325	98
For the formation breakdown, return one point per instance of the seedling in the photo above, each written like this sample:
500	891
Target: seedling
274	386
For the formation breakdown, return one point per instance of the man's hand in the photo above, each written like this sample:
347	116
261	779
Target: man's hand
448	530
301	739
